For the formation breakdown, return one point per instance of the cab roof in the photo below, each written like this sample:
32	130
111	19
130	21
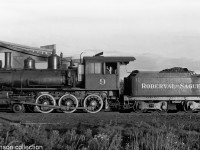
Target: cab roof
124	59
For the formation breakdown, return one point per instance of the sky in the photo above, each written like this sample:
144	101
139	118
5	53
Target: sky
160	34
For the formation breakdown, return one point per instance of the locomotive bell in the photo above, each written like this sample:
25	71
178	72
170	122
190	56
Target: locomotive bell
29	63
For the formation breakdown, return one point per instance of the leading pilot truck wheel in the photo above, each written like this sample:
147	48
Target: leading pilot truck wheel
45	99
18	108
93	103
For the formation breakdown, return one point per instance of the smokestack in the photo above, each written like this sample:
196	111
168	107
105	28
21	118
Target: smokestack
7	60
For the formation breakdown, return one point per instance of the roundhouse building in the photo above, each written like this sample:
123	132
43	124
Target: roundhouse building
18	53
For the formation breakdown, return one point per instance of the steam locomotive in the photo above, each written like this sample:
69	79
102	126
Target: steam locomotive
89	86
93	85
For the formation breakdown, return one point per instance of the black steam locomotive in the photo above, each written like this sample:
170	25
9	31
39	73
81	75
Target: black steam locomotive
94	85
91	85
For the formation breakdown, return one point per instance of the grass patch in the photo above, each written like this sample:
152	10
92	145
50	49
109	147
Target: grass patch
154	134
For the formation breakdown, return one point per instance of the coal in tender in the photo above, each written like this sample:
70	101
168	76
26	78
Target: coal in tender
176	70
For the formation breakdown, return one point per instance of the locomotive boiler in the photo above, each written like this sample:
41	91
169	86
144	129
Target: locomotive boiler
30	78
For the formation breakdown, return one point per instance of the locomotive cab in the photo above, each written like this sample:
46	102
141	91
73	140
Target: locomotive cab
102	73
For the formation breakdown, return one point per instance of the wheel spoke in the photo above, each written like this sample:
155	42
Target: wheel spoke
69	103
93	103
45	99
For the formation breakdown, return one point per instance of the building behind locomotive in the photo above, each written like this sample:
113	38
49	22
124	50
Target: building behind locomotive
162	91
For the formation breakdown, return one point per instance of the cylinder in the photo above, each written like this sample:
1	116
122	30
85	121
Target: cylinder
7	60
29	63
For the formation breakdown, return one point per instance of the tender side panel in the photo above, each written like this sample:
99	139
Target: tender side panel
164	84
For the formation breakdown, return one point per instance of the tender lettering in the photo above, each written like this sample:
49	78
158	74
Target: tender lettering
170	86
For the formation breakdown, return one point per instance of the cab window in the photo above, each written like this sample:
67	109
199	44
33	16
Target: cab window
94	68
111	68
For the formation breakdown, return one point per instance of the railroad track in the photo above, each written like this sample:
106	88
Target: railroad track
74	119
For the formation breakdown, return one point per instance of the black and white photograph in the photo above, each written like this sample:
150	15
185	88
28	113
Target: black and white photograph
99	75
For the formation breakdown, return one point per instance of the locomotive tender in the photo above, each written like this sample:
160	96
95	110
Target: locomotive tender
162	90
93	85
